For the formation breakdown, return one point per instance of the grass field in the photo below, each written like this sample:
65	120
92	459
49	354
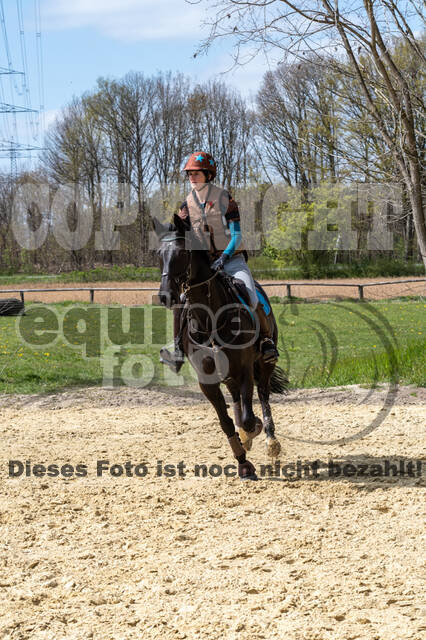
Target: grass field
261	266
321	345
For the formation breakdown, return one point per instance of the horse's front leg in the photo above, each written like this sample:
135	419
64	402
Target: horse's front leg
235	392
250	426
246	469
273	447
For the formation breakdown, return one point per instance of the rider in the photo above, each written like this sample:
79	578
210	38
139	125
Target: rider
211	208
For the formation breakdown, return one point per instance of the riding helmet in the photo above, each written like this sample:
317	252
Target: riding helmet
201	161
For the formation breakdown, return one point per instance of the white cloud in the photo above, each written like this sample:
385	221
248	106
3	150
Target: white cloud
126	20
49	118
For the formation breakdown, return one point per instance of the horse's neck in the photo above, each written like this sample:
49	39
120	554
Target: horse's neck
208	291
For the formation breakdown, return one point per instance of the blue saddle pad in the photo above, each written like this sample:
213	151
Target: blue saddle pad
263	301
241	291
265	304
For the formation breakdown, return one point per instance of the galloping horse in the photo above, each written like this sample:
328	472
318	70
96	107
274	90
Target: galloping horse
220	341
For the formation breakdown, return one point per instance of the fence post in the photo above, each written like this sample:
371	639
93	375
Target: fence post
92	295
288	290
21	293
361	291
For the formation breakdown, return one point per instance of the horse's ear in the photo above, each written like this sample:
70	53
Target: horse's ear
160	228
157	226
182	225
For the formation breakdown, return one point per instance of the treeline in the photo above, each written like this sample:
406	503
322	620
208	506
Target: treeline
308	126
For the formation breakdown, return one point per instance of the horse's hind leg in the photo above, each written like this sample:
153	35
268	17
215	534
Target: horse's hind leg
273	446
246	469
245	437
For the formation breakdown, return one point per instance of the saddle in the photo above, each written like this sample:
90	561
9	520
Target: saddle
239	292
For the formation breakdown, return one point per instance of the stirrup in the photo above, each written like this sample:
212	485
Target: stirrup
174	360
268	350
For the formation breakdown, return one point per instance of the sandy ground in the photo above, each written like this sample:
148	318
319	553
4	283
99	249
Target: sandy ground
126	558
144	297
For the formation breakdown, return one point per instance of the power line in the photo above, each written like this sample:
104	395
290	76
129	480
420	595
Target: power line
11	147
13	108
4	71
14	133
25	84
39	58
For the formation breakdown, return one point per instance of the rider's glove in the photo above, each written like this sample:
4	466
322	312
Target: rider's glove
220	262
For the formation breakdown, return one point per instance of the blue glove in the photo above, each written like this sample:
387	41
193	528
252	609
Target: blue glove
220	262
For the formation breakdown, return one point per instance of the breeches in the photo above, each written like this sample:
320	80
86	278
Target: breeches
238	268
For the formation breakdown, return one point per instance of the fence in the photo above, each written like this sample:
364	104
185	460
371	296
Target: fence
286	285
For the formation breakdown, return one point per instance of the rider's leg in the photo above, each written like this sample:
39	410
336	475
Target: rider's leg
238	268
175	359
269	350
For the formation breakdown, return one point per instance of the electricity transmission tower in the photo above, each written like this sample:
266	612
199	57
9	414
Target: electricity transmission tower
10	146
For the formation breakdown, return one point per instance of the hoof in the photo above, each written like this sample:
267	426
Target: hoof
273	447
246	437
247	471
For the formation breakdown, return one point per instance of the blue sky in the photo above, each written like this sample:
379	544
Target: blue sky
85	39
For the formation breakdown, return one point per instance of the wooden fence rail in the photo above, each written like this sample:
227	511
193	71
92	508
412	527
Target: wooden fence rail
287	286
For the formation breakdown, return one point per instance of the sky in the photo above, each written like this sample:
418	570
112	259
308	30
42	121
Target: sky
82	40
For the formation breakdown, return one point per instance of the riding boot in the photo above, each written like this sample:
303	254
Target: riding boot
175	359
267	345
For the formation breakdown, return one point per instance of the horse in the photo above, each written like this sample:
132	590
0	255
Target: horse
220	341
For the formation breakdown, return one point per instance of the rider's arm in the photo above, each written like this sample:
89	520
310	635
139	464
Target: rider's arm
235	241
233	219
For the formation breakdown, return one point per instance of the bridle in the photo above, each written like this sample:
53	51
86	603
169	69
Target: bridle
179	278
183	279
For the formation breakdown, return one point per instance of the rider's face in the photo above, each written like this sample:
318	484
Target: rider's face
196	178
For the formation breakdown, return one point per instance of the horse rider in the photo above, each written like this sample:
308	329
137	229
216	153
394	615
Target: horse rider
211	209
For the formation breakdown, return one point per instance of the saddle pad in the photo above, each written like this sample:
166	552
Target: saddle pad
262	299
244	297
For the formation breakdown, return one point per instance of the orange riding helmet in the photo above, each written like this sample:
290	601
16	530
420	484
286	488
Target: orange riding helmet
201	161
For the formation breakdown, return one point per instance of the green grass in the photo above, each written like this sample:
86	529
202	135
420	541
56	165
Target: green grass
100	274
264	267
321	345
351	343
261	266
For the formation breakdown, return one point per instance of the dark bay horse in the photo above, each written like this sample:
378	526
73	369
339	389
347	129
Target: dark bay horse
220	341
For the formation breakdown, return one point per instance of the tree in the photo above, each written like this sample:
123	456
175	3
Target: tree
75	156
356	32
297	122
123	110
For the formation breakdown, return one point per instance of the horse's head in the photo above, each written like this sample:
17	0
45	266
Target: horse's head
174	259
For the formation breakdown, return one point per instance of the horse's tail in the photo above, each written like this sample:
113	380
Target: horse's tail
279	382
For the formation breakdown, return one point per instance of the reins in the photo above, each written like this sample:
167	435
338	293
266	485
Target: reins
199	284
187	288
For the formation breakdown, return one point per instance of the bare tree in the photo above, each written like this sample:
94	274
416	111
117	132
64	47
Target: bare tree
169	121
223	125
303	27
75	155
7	258
298	124
123	109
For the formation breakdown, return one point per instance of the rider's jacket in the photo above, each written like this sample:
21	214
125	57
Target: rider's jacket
210	219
